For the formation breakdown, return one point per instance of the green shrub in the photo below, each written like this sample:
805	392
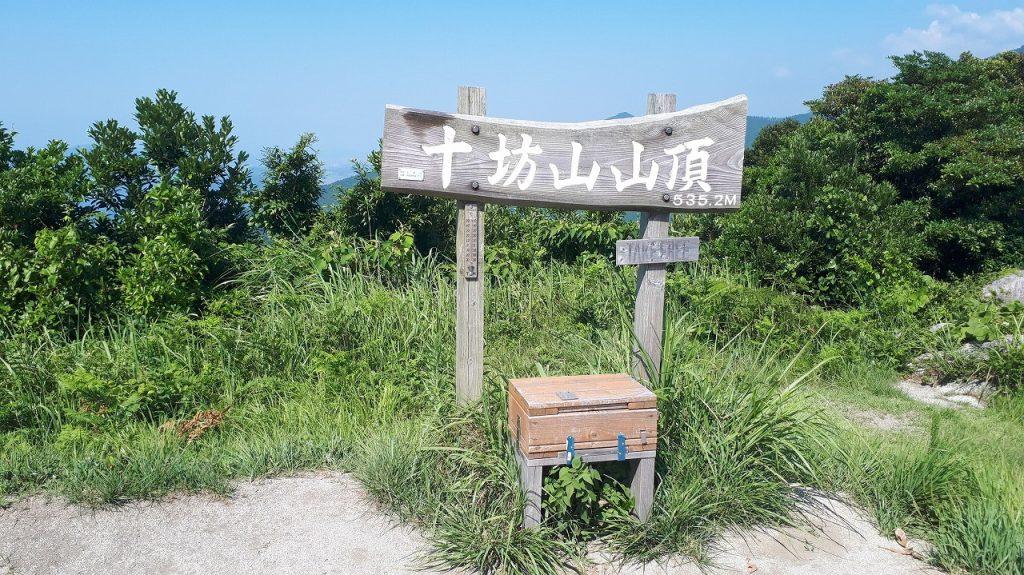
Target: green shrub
162	277
813	223
945	130
580	501
287	202
367	211
72	278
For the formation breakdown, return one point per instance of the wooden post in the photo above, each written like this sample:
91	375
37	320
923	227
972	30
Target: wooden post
532	481
469	285
641	484
649	311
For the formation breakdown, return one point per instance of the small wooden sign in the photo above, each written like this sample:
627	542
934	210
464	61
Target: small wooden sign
656	251
690	160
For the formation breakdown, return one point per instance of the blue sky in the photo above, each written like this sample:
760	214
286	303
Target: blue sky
279	69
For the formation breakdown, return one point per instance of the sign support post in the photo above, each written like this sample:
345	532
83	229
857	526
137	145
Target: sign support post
649	309
469	283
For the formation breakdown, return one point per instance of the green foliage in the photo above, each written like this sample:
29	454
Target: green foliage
177	149
369	212
947	131
580	501
70	277
158	203
570	235
999	328
288	201
40	190
816	225
53	269
161	277
984	534
908	487
166	270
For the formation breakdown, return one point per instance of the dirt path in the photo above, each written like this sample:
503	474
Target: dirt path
322	524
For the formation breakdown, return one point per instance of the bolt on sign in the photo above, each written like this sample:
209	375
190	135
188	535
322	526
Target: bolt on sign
691	160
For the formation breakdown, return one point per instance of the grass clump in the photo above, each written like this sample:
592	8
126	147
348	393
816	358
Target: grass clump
737	436
984	534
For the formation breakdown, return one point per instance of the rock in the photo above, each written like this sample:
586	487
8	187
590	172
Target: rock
922	359
973	393
939	327
1006	341
1007	289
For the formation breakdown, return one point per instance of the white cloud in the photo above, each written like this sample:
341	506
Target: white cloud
953	30
782	72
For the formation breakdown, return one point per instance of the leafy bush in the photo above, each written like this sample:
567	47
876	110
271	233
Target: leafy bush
814	224
288	201
370	213
71	278
581	502
166	271
946	131
177	149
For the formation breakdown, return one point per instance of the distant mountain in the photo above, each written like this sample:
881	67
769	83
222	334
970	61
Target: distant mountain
757	123
754	123
1020	50
329	192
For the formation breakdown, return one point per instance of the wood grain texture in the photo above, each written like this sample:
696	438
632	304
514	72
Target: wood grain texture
545	433
469	295
589	456
656	251
540	395
648	444
607	142
642	485
531	479
649	309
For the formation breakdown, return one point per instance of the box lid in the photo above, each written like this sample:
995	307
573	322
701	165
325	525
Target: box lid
550	395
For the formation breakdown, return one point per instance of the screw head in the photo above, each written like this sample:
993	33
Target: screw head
665	197
475	185
668	130
475	129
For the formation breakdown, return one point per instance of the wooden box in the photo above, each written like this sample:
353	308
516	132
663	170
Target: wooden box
592	409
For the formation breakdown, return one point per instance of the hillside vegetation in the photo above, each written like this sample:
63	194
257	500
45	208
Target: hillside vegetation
167	325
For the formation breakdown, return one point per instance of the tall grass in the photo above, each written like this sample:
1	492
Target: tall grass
351	368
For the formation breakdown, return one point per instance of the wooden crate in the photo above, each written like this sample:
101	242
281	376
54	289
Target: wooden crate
593	409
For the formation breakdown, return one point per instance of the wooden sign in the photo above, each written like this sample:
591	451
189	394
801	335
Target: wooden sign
656	251
690	160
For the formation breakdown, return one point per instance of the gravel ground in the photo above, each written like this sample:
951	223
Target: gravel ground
322	524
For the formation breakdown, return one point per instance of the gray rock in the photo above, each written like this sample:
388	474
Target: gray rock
1007	289
1006	341
939	327
974	393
